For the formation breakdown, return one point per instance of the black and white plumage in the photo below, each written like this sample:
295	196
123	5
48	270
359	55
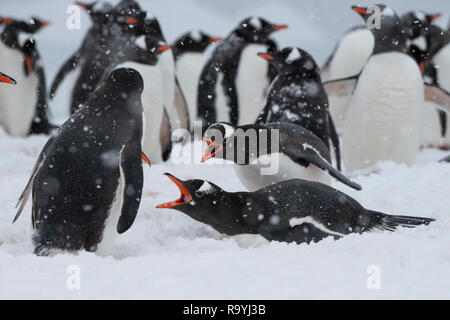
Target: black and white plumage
290	211
234	80
87	182
266	154
296	95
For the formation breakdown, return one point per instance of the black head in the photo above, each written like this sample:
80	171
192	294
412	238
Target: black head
126	80
30	55
99	11
256	29
193	41
35	24
417	23
389	34
292	61
7	79
216	138
129	14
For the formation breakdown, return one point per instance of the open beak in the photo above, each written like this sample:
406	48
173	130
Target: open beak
163	48
214	39
359	10
185	196
131	21
146	159
212	148
266	56
279	27
6	79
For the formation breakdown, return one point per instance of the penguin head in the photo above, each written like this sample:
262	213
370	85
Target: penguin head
35	24
217	137
256	29
389	34
418	23
292	60
129	14
194	41
126	80
99	11
7	79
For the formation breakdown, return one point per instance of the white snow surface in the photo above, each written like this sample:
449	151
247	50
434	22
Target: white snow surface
167	255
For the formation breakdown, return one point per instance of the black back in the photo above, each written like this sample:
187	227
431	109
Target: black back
193	41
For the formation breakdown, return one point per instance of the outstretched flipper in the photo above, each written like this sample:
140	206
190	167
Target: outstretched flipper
439	96
388	222
27	191
66	68
341	87
133	179
335	141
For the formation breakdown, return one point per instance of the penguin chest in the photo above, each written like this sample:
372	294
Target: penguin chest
153	105
252	80
442	62
383	121
188	69
17	103
274	168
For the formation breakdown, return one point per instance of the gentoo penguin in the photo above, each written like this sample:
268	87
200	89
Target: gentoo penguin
6	79
23	109
101	16
290	211
153	97
266	154
446	159
234	80
296	95
87	182
189	51
383	121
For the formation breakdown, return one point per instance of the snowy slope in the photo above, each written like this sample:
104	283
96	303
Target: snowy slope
168	255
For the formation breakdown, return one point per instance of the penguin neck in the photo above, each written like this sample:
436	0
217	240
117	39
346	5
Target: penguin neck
10	37
389	39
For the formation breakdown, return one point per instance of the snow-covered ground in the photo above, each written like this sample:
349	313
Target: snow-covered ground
168	255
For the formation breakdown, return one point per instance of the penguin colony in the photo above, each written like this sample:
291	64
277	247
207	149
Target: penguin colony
381	95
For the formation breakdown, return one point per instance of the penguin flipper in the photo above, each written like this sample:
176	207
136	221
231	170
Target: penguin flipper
206	95
446	159
335	141
341	87
40	122
165	137
133	179
439	96
181	106
27	191
310	155
67	67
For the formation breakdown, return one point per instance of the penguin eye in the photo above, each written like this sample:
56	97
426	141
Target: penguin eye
199	194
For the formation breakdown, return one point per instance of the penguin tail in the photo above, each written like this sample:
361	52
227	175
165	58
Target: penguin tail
390	223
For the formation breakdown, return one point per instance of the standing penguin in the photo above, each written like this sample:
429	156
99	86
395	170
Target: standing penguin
274	152
23	109
290	211
383	121
296	95
234	80
189	51
153	97
87	182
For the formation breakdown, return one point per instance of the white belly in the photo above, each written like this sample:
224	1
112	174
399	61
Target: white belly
153	105
442	61
251	83
189	67
383	121
251	177
350	57
431	126
17	103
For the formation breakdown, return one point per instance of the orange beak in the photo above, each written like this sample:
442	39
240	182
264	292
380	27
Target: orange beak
81	4
435	16
214	39
163	48
5	20
212	148
45	23
422	67
131	21
6	79
359	10
185	196
266	56
28	63
146	159
279	27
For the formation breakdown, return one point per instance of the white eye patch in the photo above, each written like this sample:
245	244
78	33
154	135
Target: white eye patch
294	55
206	188
256	22
195	35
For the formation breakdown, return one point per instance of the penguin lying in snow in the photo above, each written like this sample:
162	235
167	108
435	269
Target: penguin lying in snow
291	211
189	51
233	81
87	181
298	154
6	79
446	159
24	108
296	95
383	121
